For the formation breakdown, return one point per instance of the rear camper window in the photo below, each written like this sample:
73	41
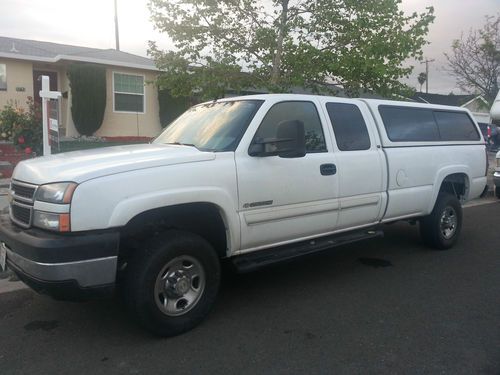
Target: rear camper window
409	124
456	126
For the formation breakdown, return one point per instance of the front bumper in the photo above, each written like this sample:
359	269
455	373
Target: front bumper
70	266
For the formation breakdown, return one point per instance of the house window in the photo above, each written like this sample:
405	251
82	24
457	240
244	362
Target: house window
128	90
3	77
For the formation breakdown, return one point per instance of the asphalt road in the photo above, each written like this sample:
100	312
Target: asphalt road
384	306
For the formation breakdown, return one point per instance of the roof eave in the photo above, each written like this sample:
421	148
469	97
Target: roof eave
105	62
26	57
77	59
480	97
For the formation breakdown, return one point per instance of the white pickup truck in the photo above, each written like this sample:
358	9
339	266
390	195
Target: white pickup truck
255	180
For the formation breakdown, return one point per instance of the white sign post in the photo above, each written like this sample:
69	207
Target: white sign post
48	121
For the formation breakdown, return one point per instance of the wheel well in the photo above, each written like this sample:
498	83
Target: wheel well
456	184
203	219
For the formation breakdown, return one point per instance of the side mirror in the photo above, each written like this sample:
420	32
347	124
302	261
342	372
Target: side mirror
290	142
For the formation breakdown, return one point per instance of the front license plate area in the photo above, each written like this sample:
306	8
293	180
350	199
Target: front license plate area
3	256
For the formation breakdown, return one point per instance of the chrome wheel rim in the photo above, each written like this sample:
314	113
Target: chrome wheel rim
448	222
179	285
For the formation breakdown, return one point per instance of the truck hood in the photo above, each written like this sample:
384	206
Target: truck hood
79	166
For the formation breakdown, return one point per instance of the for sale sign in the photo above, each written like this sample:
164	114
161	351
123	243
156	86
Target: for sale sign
53	122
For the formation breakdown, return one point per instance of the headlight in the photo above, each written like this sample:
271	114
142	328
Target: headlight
61	192
51	221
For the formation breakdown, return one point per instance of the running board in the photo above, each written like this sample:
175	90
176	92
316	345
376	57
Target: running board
262	258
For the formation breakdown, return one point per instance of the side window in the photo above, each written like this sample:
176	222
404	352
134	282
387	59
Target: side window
456	126
305	112
3	77
349	127
406	124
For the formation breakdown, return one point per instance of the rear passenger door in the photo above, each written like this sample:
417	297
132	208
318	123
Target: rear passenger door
362	170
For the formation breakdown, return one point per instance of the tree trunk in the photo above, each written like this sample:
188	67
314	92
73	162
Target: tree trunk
279	48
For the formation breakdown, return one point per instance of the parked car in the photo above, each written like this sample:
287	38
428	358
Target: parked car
496	176
485	129
495	137
491	135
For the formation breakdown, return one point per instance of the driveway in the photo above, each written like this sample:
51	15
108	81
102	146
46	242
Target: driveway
387	305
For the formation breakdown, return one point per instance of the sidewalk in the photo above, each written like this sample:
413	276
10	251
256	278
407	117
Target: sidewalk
8	281
4	186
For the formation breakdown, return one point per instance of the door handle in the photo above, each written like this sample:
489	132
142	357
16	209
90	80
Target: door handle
328	169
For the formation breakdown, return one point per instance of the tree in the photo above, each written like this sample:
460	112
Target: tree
422	77
88	96
171	107
356	45
475	59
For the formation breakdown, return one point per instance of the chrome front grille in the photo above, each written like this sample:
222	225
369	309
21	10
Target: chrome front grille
22	200
23	191
21	214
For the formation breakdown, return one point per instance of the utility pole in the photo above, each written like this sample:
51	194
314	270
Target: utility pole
426	62
117	36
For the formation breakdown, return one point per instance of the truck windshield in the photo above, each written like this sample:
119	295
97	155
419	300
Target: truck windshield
216	126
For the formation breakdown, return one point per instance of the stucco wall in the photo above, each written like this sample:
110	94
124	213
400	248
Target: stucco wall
479	110
65	115
478	106
19	75
132	124
117	124
147	124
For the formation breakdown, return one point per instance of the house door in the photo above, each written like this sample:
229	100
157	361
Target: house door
37	84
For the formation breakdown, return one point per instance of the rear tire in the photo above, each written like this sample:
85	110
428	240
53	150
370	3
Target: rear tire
172	283
497	191
440	230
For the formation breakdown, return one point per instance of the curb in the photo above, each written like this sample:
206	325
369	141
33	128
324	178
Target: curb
7	286
4	183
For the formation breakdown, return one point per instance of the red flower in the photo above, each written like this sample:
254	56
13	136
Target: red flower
20	140
28	150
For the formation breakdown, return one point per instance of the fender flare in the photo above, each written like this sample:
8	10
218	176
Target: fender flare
129	208
440	177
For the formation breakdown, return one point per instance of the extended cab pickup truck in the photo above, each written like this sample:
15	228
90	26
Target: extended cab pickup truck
254	180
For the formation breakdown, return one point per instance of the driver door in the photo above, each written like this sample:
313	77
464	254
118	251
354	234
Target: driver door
286	199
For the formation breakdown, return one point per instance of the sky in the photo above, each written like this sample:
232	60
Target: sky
90	23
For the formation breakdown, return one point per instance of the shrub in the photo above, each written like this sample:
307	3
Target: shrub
23	127
88	92
171	107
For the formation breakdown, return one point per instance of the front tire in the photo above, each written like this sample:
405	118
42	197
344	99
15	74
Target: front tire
172	283
440	230
497	191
